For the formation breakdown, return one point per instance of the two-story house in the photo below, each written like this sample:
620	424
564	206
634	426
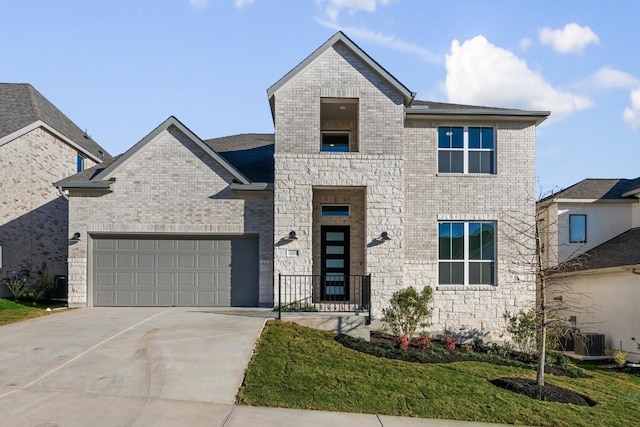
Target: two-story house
360	182
590	234
38	146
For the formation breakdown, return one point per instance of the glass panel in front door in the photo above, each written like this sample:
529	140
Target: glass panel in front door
335	262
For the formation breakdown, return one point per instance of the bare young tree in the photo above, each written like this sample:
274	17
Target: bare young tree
532	238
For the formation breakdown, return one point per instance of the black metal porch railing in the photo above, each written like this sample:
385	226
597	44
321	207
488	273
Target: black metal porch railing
324	293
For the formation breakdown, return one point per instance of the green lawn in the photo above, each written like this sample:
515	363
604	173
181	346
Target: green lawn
298	367
15	311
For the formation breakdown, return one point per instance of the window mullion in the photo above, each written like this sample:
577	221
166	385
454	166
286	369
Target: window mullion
465	148
466	253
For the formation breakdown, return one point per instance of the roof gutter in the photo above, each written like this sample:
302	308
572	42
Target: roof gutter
86	185
475	113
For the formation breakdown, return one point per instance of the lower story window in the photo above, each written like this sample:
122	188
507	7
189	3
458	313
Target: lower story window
466	253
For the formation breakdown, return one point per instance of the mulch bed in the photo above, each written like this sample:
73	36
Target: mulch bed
385	345
548	392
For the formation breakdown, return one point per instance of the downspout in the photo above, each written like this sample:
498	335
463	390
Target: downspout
62	193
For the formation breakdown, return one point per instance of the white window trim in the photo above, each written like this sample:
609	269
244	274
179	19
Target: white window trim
465	150
466	258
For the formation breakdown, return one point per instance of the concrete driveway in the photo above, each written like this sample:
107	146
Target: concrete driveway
126	366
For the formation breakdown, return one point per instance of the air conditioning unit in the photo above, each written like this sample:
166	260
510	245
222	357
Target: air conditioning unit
589	344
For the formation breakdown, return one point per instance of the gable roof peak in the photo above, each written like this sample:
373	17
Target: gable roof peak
340	37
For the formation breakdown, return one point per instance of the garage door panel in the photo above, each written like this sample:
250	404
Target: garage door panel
146	261
105	261
146	279
125	261
191	271
146	245
166	261
125	245
146	298
187	261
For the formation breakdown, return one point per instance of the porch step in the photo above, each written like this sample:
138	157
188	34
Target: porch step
354	325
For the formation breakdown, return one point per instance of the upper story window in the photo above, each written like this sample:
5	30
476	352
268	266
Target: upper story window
577	228
466	253
466	149
339	124
79	163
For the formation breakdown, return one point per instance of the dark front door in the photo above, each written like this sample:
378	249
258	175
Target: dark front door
335	262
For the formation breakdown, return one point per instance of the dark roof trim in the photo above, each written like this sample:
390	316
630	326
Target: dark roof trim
109	171
341	37
254	186
462	113
100	185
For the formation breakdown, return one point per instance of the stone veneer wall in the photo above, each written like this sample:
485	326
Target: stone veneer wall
172	187
377	167
33	215
507	197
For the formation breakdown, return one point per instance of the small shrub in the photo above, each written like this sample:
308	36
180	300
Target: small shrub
450	343
44	284
424	342
501	350
558	359
19	287
467	348
403	343
408	310
523	328
620	357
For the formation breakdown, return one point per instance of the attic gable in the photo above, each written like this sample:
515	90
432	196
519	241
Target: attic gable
341	38
110	171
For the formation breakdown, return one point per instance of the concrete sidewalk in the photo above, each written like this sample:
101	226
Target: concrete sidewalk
242	416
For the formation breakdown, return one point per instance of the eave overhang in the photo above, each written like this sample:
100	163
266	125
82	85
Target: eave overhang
475	114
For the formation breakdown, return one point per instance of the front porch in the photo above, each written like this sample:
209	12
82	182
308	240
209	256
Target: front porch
329	293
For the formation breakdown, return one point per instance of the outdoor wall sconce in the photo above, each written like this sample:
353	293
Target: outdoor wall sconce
384	237
292	236
75	237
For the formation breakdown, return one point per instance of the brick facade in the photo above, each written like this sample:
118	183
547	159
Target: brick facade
395	169
33	214
171	186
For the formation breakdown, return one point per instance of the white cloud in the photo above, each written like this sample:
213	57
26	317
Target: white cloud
631	114
243	3
481	73
571	39
389	41
334	7
525	43
198	4
606	78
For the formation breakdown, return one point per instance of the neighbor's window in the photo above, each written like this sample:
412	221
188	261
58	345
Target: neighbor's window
79	163
577	228
466	253
335	210
466	149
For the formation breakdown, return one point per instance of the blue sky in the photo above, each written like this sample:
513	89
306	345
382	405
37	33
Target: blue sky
118	68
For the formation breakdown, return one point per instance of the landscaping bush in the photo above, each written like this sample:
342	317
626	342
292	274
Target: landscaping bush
19	287
408	310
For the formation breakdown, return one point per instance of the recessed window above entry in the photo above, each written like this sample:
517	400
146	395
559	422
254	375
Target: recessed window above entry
339	124
335	210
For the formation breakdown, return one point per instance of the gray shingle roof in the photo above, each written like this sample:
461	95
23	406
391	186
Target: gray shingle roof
448	106
21	105
87	174
622	250
599	189
250	153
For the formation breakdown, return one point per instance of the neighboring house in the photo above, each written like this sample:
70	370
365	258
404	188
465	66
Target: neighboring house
38	146
591	234
360	179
